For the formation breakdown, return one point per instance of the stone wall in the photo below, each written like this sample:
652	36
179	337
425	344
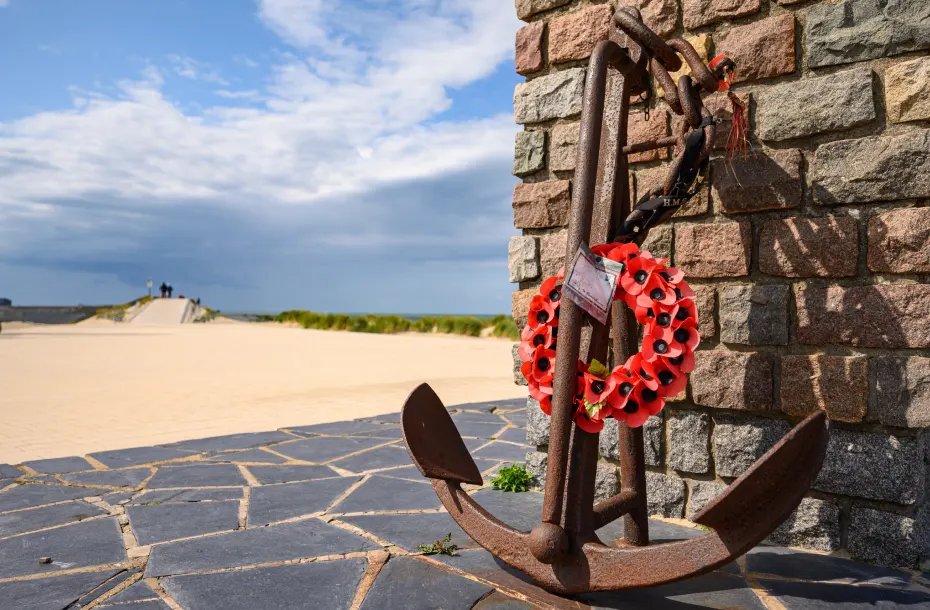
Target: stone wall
49	315
810	259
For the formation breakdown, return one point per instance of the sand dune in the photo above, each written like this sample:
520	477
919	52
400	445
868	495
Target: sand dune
101	385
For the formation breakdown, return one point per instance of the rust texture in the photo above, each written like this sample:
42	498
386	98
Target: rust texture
563	553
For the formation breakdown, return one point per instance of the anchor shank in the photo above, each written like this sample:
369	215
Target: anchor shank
582	470
570	320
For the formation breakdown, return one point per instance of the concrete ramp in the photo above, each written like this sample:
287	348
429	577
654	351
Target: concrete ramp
166	312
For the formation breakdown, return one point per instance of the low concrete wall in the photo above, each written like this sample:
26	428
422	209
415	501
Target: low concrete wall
49	315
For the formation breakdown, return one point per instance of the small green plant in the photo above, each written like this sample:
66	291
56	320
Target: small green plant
440	547
512	478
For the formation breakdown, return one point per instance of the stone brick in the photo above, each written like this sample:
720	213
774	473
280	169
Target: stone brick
700	494
719	249
808	107
688	440
529	56
661	16
764	181
641	130
536	465
573	36
528	8
553	96
872	466
835	384
701	44
654	178
705	298
563	146
888	316
901	395
883	168
609	439
761	49
539	205
653	433
907	91
529	152
659	242
858	30
537	424
754	315
665	495
899	241
740	441
732	380
815	524
523	258
883	538
552	252
520	305
809	247
518	377
698	13
606	482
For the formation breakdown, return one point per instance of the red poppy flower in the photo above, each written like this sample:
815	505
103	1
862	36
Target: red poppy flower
685	336
617	252
683	363
626	381
542	365
671	381
656	290
532	338
551	290
639	272
686	310
644	370
660	343
657	313
597	390
542	312
585	423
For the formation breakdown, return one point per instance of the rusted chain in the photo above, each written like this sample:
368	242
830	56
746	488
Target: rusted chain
691	102
700	72
637	30
667	84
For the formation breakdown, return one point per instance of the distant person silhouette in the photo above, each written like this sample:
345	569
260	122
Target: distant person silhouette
170	290
164	290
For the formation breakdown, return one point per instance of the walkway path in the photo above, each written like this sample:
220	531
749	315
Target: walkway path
162	311
329	516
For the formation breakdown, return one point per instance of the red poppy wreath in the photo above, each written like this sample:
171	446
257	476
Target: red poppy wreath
662	301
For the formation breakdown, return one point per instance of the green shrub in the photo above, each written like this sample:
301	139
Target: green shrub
506	327
512	478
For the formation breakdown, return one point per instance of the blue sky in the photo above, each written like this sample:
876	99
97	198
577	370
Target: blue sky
260	154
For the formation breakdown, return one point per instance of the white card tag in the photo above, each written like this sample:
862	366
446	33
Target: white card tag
592	282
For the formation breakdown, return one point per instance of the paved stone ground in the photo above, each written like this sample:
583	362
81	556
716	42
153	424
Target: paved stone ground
328	517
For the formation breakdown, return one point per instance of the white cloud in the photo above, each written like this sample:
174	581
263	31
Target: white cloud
337	137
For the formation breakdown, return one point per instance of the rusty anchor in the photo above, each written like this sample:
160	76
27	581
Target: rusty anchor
563	553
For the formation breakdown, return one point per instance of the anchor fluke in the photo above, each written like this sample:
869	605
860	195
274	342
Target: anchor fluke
432	440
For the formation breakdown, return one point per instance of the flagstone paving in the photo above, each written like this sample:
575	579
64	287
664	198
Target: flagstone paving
330	516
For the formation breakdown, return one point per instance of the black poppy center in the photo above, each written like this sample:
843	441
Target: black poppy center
682	314
664	319
677	360
555	295
640	277
557	312
542	316
650	314
644	374
538	340
555	331
633	255
625	388
666	377
665	276
631	407
660	346
650	395
597	387
682	335
543	364
678	294
657	294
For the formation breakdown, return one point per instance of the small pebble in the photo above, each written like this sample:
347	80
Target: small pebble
45	560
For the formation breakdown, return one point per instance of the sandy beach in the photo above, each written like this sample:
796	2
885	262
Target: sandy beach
97	385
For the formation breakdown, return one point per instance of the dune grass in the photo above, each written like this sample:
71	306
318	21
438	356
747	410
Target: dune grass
118	312
502	325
